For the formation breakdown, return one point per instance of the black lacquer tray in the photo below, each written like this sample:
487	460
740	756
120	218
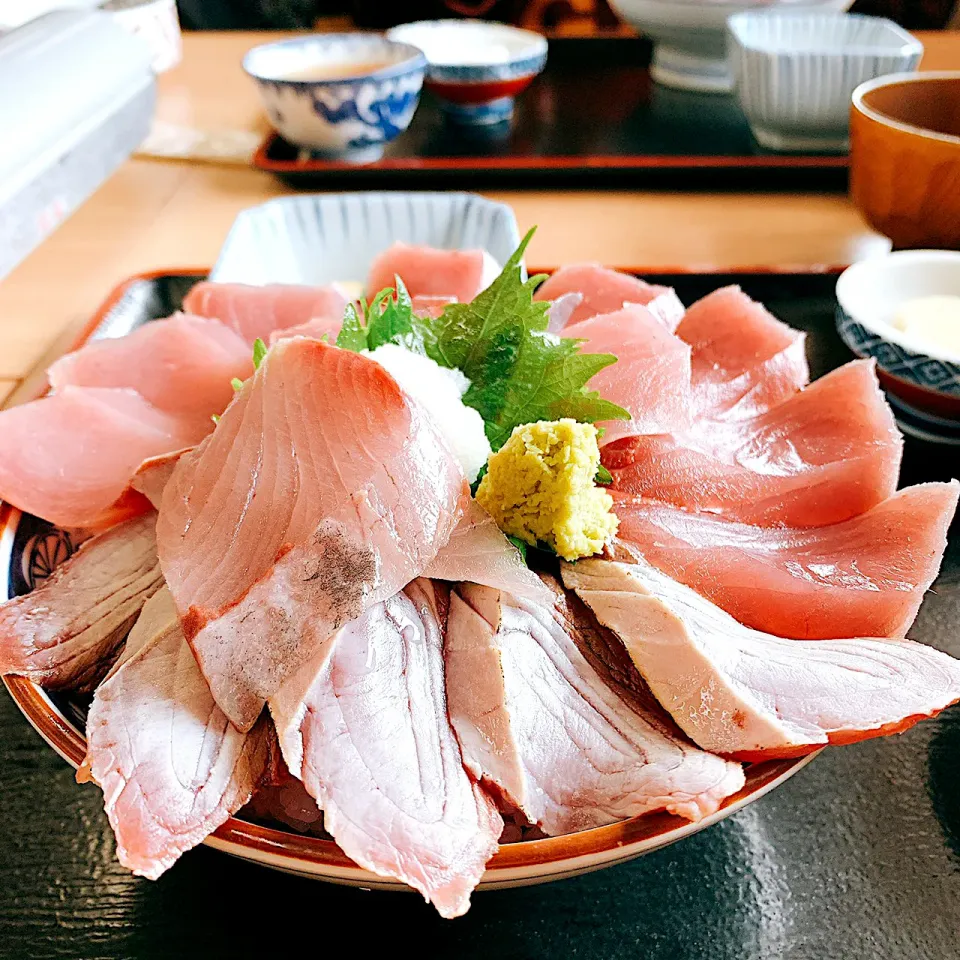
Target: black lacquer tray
594	118
855	858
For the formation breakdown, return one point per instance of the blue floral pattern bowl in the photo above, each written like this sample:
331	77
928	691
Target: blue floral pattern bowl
342	95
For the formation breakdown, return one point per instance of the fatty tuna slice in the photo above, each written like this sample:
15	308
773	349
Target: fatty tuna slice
744	360
182	365
318	329
154	474
431	305
479	552
828	453
323	490
608	291
69	457
256	312
171	765
67	632
749	695
566	738
430	272
651	378
364	726
865	576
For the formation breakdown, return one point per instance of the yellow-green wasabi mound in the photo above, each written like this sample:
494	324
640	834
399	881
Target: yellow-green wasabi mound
540	488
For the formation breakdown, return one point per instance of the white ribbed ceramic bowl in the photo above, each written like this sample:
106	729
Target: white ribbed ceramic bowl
795	72
690	36
332	237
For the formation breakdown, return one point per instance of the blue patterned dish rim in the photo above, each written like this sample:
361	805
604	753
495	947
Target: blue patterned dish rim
409	58
869	291
925	371
528	60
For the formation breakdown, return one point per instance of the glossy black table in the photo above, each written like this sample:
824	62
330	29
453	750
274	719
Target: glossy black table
856	858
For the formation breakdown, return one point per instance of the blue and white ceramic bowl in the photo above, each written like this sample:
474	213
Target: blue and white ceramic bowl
343	95
476	67
795	72
921	380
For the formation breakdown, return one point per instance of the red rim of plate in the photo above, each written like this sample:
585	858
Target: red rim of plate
241	838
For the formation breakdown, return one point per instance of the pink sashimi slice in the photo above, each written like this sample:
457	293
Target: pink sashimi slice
256	312
828	453
744	361
182	365
318	329
66	633
478	552
651	378
608	291
426	305
365	727
865	576
154	474
171	766
748	695
541	717
667	308
561	310
457	275
69	457
323	490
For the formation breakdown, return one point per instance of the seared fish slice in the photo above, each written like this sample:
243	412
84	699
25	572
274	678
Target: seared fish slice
171	765
323	490
67	632
570	742
365	727
750	695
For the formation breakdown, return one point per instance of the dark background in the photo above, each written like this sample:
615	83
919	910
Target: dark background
856	858
293	14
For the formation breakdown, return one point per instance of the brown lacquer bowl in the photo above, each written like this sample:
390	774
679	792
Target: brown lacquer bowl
905	157
31	548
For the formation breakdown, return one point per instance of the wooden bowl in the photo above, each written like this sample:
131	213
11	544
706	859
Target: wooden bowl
905	157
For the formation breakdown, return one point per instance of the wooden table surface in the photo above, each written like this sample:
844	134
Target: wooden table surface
153	214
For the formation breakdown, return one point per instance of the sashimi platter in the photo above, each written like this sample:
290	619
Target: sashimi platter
446	559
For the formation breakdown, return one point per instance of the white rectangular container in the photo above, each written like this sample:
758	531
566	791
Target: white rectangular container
324	238
76	97
795	72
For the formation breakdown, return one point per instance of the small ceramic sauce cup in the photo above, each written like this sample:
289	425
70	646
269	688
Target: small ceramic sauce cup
341	95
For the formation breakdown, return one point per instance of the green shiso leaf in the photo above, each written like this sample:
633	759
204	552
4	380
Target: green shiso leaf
521	546
353	333
391	320
518	371
388	319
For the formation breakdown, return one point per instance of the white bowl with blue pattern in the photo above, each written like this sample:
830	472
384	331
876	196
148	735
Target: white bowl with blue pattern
921	379
795	72
476	67
364	92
